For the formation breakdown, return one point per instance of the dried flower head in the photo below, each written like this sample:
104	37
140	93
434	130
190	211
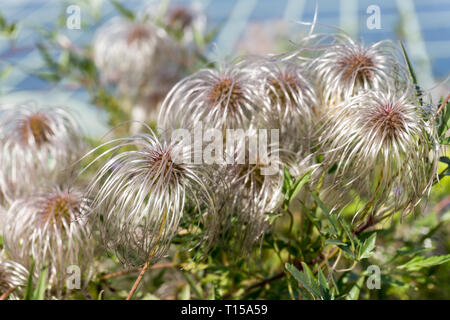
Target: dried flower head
139	57
384	138
36	145
13	276
51	229
141	194
221	99
345	68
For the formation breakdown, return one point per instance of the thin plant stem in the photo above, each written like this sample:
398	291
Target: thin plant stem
149	261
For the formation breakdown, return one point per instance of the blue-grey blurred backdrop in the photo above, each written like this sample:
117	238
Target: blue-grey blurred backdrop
247	26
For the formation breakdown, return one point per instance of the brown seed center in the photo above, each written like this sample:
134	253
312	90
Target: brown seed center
36	126
57	209
226	92
388	120
282	89
137	34
359	64
180	18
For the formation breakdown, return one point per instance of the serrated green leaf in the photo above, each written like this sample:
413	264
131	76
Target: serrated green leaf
305	279
334	226
366	249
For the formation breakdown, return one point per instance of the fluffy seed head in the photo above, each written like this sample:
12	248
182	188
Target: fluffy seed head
288	101
245	196
36	146
222	99
12	275
51	228
141	195
346	67
139	57
381	137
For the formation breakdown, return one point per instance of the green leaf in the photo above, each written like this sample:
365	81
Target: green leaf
195	288
444	124
324	287
29	287
305	279
39	292
366	249
297	186
355	290
334	226
123	11
287	180
419	262
412	74
335	242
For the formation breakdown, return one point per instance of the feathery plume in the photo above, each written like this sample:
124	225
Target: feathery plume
50	228
13	276
141	59
383	148
345	68
36	145
141	194
222	99
288	101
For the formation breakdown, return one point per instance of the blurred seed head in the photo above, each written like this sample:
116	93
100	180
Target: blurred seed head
140	58
50	228
141	193
182	22
36	146
12	275
381	147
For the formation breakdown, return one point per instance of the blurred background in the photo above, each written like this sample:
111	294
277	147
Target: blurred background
241	26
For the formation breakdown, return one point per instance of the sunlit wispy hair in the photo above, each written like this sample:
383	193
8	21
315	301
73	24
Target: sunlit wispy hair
223	98
382	148
13	276
140	195
345	67
36	146
245	197
51	229
288	100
